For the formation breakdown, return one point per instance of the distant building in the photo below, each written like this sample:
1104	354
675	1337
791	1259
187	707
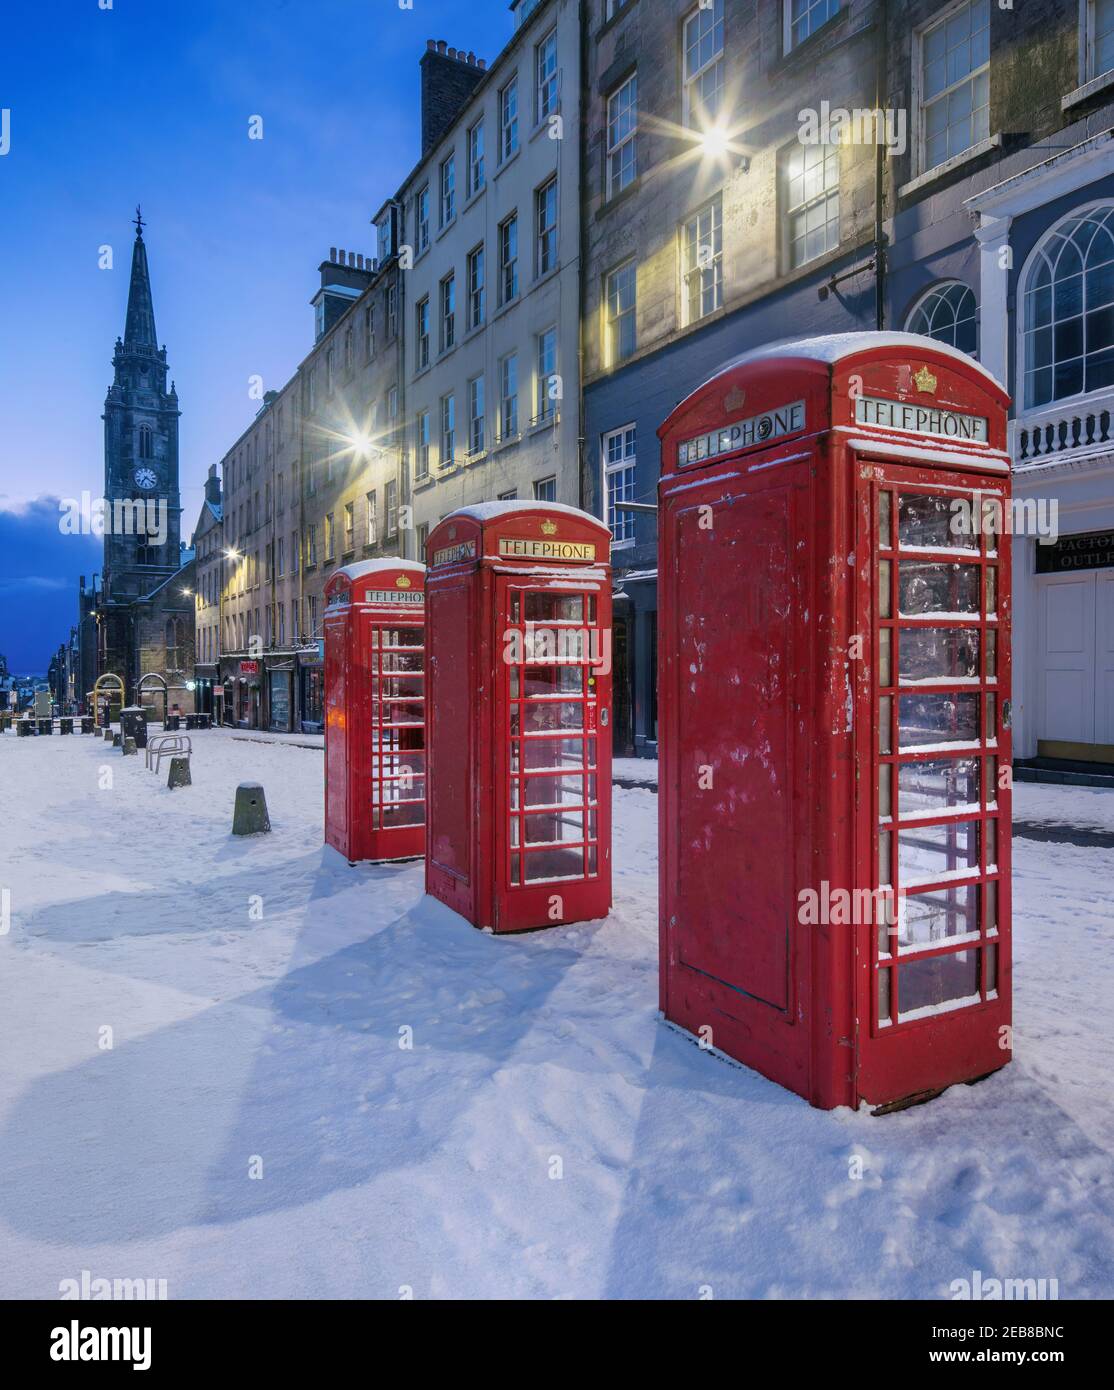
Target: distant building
208	549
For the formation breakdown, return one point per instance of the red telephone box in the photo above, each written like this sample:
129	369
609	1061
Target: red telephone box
518	672
375	710
834	671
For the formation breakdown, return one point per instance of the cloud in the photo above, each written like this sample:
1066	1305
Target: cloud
39	571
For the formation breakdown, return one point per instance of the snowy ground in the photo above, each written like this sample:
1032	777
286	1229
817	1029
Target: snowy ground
237	1039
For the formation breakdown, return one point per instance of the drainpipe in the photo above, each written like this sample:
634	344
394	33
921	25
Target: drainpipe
582	222
879	171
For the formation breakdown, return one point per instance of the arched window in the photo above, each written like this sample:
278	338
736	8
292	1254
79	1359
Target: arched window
949	314
146	442
1068	309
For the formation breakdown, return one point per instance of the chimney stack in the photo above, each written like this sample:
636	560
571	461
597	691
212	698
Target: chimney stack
449	77
212	486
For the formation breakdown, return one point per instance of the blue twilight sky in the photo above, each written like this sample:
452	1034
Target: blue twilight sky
148	102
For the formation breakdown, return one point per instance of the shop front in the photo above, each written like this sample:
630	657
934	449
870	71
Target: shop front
311	687
280	687
206	677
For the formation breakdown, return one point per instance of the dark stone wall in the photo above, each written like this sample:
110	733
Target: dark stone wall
447	83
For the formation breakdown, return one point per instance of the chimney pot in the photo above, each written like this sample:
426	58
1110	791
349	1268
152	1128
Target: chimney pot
332	253
481	63
441	45
471	58
431	45
452	52
340	256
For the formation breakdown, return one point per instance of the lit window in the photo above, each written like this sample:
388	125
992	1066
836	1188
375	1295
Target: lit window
702	261
955	83
810	176
622	126
618	480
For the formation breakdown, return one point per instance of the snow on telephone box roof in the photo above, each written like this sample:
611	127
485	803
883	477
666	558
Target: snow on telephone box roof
902	390
532	532
406	590
362	568
833	347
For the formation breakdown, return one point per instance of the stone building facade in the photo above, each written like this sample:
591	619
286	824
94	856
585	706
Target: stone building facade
488	229
312	483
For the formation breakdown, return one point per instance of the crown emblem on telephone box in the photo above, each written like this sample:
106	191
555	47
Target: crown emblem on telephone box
925	380
402	582
549	527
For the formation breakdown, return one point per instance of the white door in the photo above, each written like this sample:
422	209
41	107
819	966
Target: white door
1104	656
1066	655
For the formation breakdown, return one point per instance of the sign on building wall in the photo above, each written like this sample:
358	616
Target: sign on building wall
1092	551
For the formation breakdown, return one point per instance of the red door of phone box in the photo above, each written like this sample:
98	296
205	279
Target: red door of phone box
375	710
834	668
518	674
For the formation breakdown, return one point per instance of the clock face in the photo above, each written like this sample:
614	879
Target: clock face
146	478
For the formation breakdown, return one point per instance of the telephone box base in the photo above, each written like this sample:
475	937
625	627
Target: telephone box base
525	910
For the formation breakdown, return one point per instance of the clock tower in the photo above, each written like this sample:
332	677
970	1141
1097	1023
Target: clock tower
145	615
140	451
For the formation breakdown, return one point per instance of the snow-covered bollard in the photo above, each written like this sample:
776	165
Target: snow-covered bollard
128	746
179	775
108	733
116	740
250	815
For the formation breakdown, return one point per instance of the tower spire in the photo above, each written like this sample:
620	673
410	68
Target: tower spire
139	328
